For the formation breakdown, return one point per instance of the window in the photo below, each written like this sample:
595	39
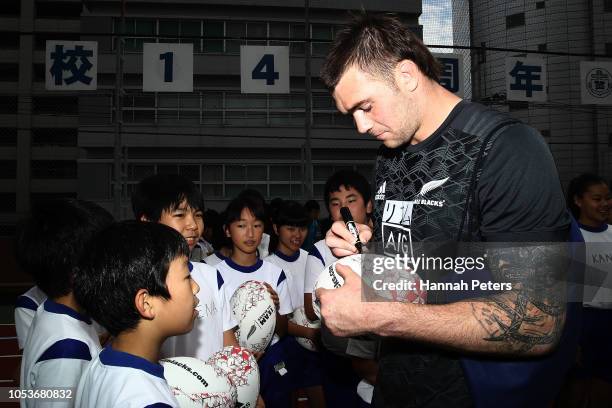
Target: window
8	202
58	9
213	29
234	32
609	49
54	137
191	32
137	32
229	108
9	72
296	32
40	39
515	20
8	169
608	6
54	169
10	8
545	133
38	72
321	38
541	47
55	105
9	40
8	137
540	5
7	230
41	197
8	104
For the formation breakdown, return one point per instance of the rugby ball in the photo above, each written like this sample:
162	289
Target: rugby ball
254	310
242	370
329	278
299	318
195	383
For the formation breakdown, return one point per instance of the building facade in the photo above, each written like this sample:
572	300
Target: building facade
580	136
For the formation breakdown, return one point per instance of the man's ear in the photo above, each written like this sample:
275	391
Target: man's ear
144	304
227	231
275	229
407	75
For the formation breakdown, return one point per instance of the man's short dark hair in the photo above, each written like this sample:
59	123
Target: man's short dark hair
121	260
291	213
164	192
235	207
347	178
578	186
51	239
375	43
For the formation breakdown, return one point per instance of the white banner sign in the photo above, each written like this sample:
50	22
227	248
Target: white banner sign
167	67
264	69
596	82
71	65
452	77
526	79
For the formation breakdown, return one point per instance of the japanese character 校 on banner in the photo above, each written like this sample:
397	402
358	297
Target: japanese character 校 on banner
596	82
451	77
71	65
526	79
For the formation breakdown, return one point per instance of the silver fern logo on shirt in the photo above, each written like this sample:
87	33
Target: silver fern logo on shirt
427	187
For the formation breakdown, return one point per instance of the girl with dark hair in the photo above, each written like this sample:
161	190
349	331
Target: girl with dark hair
588	197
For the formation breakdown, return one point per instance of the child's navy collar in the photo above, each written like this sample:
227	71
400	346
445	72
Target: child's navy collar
58	308
221	256
245	269
601	228
290	258
112	357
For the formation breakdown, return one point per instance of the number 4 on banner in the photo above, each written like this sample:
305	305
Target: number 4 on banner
266	62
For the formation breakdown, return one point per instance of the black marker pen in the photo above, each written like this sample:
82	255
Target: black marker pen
350	224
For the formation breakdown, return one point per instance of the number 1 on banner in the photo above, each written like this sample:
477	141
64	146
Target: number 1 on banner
168	58
267	62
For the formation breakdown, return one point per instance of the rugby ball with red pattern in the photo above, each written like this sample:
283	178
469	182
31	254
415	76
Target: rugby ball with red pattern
242	370
195	383
254	310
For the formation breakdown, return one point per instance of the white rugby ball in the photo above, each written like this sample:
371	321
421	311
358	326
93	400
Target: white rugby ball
198	384
242	370
254	310
329	278
299	318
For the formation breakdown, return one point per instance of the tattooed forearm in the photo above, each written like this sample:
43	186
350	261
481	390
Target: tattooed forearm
532	315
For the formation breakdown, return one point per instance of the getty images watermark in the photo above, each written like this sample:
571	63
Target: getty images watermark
443	271
413	265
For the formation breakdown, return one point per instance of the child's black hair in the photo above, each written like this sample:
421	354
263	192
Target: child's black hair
164	192
291	213
235	207
578	186
51	239
121	260
311	205
347	178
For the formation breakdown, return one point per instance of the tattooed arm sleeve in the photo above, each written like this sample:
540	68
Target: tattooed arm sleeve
530	317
